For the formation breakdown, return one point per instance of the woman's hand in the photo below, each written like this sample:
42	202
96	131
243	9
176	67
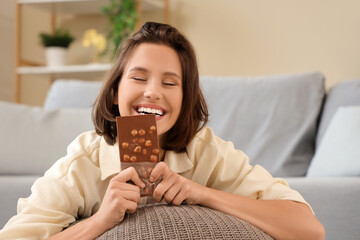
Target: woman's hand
120	198
175	188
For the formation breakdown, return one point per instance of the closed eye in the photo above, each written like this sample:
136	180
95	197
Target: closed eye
169	84
139	79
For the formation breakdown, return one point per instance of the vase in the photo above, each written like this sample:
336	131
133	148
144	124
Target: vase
55	56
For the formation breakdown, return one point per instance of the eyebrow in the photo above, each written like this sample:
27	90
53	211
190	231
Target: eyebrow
141	69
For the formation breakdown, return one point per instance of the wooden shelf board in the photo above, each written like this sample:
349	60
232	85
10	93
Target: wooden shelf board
79	7
103	67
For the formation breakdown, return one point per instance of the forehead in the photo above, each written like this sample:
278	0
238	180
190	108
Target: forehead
155	57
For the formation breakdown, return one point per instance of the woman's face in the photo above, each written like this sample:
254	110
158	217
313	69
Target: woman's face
152	83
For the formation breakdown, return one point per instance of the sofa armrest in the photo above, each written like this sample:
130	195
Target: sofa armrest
334	201
13	187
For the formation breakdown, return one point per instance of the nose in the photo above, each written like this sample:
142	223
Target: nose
153	91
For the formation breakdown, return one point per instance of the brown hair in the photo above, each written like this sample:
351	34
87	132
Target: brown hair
194	112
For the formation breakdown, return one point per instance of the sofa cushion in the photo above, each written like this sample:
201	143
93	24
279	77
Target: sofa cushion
335	201
272	119
182	222
32	138
339	151
11	189
71	93
346	93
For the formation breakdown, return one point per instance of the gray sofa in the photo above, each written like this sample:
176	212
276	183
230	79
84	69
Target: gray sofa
286	123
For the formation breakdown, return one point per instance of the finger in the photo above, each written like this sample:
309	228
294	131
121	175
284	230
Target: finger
132	196
127	175
180	197
172	192
131	207
124	186
163	187
117	190
160	170
128	191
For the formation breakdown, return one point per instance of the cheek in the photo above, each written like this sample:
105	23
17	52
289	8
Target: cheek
177	103
122	102
179	100
124	92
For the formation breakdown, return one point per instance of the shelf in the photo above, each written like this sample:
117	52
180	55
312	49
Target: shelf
94	67
68	7
92	6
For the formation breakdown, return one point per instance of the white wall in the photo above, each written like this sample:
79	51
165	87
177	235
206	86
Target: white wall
231	37
262	37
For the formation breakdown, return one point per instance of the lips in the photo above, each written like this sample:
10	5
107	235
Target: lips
150	109
144	110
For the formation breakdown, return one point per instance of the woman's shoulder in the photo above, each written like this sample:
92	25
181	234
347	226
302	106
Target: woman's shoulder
208	148
207	140
83	149
207	136
86	141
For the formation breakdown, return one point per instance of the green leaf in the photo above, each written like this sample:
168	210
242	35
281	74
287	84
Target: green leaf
60	38
122	16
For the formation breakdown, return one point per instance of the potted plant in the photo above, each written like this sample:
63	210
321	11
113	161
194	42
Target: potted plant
122	16
56	45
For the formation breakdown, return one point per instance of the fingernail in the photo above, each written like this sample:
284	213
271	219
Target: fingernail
151	179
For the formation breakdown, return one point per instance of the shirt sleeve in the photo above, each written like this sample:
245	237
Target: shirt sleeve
219	165
68	190
50	207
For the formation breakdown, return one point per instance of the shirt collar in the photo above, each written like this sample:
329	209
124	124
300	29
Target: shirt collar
178	162
110	164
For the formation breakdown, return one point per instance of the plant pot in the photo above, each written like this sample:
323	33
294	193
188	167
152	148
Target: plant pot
55	56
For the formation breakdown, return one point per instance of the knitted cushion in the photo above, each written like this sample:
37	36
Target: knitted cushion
182	222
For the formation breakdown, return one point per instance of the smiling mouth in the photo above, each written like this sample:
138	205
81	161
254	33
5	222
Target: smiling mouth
146	110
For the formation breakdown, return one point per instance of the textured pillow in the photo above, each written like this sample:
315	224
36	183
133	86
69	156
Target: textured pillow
182	222
346	93
32	139
66	93
339	152
272	119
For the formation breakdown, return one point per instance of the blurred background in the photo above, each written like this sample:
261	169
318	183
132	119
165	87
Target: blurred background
231	37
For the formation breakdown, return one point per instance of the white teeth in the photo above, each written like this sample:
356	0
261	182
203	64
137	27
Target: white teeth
144	110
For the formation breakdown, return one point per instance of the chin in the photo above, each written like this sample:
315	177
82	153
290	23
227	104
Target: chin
160	132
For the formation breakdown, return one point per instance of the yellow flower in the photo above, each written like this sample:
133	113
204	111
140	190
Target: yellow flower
92	37
86	42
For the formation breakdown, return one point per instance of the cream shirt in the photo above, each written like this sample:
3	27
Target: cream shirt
75	185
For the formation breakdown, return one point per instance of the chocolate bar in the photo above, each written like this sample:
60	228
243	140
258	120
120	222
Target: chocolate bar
139	146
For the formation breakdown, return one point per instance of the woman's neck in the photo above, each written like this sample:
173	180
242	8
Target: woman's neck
162	154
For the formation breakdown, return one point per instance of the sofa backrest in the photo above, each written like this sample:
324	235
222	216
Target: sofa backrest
70	93
272	119
32	138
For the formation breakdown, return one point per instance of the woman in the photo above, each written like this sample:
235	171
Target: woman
157	72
